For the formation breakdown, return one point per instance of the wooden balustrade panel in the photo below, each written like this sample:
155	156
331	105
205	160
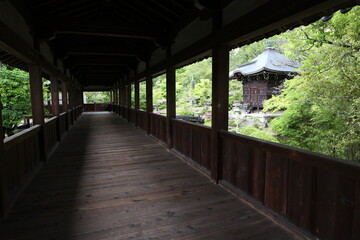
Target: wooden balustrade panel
51	132
335	206
318	193
302	194
62	124
121	111
96	107
158	126
69	118
193	141
132	115
244	167
22	157
142	119
205	159
276	182
356	218
126	112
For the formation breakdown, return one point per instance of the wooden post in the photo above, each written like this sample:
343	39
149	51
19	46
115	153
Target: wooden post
137	100
149	99
37	99
37	105
170	103
220	96
128	98
54	95
64	96
3	197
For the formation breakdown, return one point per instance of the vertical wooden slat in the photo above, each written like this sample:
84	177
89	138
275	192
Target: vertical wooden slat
335	206
170	102
257	166
226	159
196	146
276	182
356	218
302	194
243	157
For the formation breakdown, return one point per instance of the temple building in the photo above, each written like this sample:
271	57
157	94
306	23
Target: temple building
263	76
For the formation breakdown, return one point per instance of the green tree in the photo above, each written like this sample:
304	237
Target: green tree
97	97
142	95
159	94
15	96
322	110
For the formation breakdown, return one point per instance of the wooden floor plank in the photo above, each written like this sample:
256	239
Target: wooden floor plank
108	180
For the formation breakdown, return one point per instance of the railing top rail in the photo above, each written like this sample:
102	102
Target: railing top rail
51	120
192	125
345	167
62	114
19	137
157	115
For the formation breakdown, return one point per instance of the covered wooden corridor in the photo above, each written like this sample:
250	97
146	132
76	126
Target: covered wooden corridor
108	180
99	176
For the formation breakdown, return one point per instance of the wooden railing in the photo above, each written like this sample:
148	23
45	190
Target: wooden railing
51	134
316	192
96	107
22	157
24	152
142	119
62	124
192	140
125	112
158	126
132	116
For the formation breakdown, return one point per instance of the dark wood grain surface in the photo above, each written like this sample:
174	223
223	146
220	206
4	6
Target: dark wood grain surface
108	180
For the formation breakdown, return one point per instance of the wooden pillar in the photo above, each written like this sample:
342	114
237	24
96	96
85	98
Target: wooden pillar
54	95
220	98
170	103
3	197
149	99
128	100
64	96
137	100
36	89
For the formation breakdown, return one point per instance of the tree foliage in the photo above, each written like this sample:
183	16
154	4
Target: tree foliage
193	88
142	95
15	96
159	94
322	105
97	97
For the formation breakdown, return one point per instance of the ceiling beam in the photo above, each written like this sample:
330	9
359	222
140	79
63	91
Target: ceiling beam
107	31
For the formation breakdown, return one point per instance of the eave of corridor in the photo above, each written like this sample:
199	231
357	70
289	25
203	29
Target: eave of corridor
108	180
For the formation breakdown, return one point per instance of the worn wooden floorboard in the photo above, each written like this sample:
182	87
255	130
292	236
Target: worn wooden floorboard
109	181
